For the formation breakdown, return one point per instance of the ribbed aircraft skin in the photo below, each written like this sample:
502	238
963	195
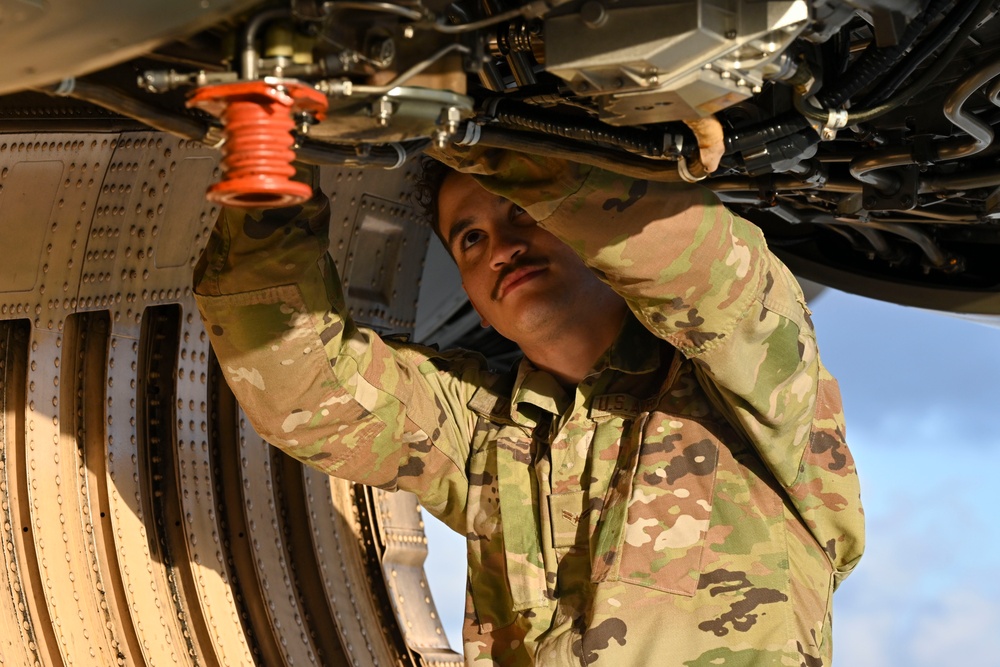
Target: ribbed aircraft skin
142	521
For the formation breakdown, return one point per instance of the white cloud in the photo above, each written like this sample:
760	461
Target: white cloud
926	593
961	630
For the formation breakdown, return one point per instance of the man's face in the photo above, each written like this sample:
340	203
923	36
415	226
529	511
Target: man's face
521	279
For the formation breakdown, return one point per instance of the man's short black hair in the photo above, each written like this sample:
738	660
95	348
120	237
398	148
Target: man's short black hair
426	190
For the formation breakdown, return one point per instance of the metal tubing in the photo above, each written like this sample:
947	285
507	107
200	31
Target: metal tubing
412	72
867	168
876	239
934	254
981	135
248	52
985	179
779	184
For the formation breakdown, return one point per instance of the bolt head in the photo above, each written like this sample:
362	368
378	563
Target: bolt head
593	14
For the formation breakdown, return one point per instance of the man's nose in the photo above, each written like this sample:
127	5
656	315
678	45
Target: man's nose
508	244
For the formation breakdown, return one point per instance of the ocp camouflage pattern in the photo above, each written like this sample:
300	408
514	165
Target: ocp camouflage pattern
691	503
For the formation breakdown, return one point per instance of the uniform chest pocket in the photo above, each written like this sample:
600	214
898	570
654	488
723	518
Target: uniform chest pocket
664	507
506	567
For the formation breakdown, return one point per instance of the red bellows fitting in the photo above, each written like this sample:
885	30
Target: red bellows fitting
257	153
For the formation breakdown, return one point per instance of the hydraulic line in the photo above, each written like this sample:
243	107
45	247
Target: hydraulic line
948	25
866	168
369	6
877	240
986	179
386	156
603	158
531	10
248	50
758	135
513	115
937	257
414	70
779	184
982	11
125	105
875	61
309	151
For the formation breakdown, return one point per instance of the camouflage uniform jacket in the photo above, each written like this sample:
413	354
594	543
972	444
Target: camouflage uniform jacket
692	502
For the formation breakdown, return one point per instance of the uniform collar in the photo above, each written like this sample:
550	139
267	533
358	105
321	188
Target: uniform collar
535	392
635	350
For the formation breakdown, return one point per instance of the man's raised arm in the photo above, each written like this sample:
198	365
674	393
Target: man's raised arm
329	393
703	279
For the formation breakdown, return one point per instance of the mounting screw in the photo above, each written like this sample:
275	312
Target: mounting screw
593	14
448	121
382	110
382	51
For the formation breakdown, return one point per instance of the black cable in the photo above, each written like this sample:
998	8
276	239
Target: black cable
948	25
378	155
931	74
758	135
131	107
311	151
603	158
517	116
983	9
871	64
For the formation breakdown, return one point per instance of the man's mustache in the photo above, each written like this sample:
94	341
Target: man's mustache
527	262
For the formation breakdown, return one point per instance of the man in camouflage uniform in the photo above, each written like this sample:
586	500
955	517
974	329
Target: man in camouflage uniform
675	492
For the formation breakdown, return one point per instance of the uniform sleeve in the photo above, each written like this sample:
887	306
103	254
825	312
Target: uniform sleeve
704	280
329	393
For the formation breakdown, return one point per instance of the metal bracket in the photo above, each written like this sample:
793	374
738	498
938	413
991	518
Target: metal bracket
902	198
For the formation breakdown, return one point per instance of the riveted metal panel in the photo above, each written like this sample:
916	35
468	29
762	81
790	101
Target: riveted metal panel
378	241
143	522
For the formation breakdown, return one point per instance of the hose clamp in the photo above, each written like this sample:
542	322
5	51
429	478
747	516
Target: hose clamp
836	119
65	87
400	155
472	134
685	172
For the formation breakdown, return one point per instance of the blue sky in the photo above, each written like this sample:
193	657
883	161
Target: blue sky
921	394
922	399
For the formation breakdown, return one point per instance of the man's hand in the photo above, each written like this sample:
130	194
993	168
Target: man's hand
711	142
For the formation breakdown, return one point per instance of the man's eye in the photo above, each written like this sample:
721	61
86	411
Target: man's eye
516	211
470	238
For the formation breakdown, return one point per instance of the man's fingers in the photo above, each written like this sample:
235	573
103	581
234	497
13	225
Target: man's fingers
711	142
